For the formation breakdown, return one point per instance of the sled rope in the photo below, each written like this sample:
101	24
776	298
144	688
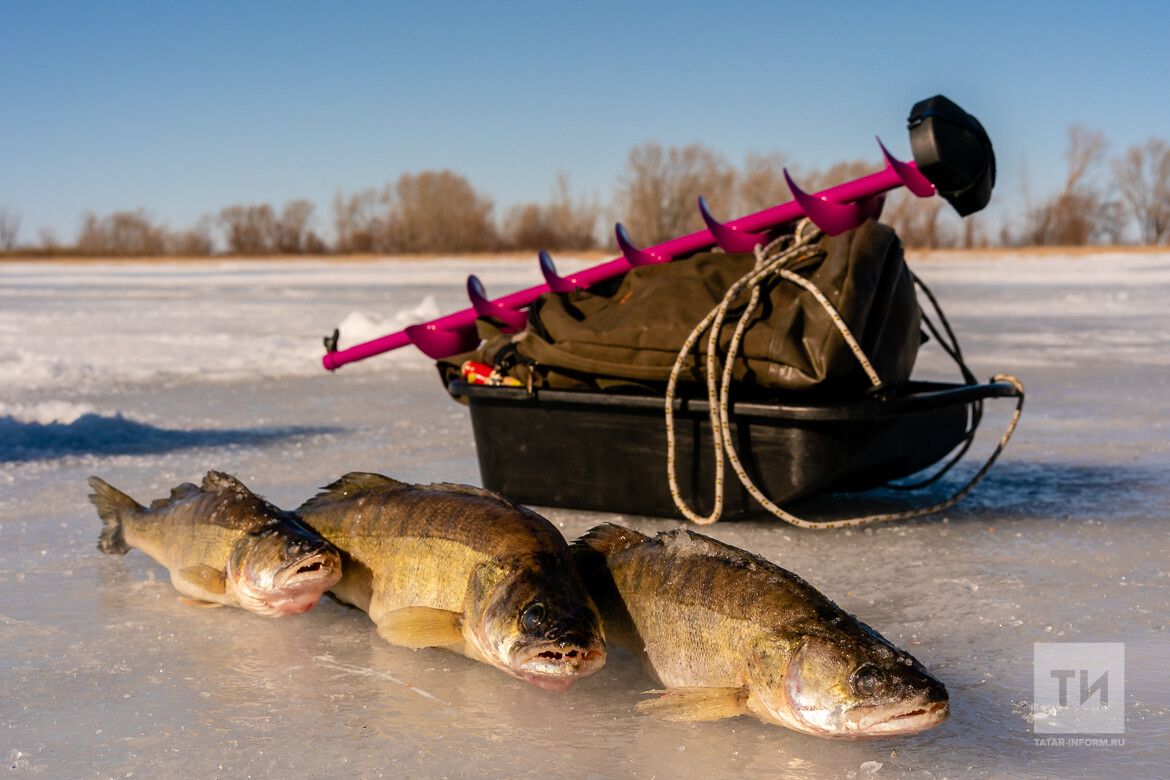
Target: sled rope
949	345
771	261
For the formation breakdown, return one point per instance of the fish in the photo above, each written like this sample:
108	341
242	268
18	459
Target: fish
223	545
464	569
725	632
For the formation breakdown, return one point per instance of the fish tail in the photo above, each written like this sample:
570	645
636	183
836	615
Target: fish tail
112	507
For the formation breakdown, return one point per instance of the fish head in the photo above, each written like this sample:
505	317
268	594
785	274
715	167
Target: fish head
536	621
282	567
851	683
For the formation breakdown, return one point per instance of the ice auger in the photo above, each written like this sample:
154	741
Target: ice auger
952	157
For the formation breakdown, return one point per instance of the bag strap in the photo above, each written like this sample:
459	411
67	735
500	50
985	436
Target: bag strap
770	262
950	345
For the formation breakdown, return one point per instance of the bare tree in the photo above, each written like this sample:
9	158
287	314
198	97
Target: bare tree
1112	223
122	233
1072	216
574	221
193	242
973	233
918	221
250	230
357	221
314	244
1007	236
92	238
837	173
135	234
659	189
761	183
1142	176
50	245
292	229
525	226
9	229
564	223
439	211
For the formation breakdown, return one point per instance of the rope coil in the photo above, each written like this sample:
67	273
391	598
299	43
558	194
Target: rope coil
771	261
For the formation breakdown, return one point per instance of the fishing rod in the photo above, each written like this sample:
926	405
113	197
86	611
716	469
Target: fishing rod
953	158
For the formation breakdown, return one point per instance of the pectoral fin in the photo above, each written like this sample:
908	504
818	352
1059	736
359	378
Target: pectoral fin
693	704
203	577
416	627
190	602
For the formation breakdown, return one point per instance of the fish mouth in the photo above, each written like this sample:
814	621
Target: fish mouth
555	666
911	719
322	567
300	584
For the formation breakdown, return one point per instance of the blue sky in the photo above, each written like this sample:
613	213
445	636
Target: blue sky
185	108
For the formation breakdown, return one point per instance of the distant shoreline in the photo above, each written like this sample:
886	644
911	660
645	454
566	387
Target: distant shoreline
589	255
592	255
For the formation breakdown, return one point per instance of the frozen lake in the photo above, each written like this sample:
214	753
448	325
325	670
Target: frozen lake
150	375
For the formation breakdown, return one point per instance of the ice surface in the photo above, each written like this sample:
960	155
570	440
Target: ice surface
149	376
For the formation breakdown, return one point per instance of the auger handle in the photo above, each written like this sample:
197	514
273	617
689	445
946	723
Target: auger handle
952	149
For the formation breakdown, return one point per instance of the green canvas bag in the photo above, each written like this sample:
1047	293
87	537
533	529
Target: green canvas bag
630	331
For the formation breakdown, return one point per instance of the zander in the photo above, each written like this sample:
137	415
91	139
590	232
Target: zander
728	633
461	568
222	544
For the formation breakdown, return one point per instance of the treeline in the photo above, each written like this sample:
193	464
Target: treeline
1123	199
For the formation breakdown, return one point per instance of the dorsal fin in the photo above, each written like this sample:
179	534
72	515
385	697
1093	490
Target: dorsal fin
609	538
591	555
684	542
220	482
349	484
357	481
178	493
467	490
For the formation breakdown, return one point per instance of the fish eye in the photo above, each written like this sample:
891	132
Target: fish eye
532	617
868	680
